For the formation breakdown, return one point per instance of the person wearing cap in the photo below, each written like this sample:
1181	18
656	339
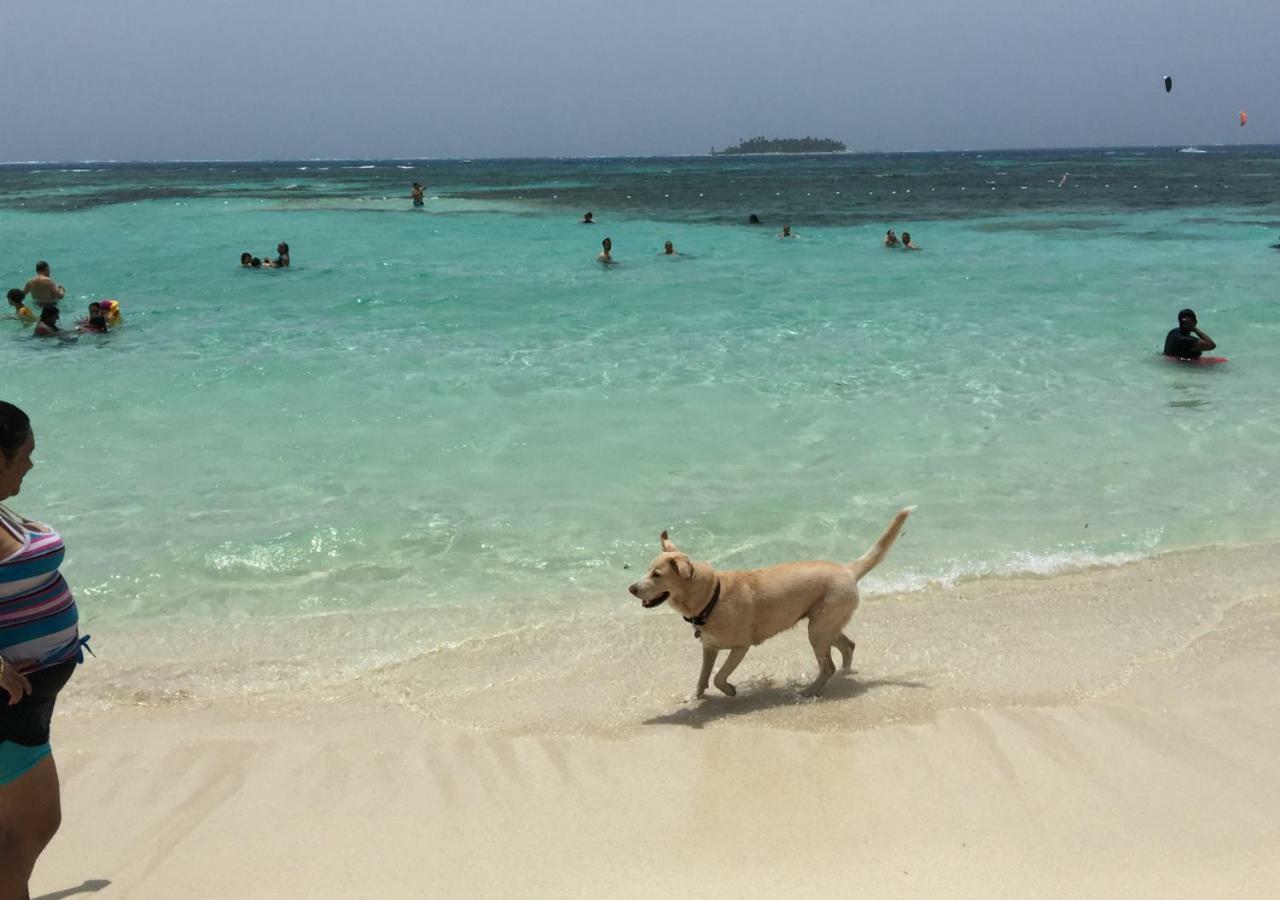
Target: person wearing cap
1187	341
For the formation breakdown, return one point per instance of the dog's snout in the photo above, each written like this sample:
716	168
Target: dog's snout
635	591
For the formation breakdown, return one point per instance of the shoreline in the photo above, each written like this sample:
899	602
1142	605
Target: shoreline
1104	734
427	659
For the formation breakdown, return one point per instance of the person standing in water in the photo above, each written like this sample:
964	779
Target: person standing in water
43	288
588	218
786	232
20	311
890	239
1187	341
669	249
40	646
906	242
606	254
417	194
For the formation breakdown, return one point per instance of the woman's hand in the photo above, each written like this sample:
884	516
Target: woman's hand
13	681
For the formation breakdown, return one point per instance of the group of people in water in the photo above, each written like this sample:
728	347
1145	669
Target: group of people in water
668	249
1186	342
46	293
891	240
249	261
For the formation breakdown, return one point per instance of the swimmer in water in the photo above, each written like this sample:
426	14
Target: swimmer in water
417	194
588	219
255	263
43	288
20	311
890	239
606	255
753	219
906	242
95	321
280	262
48	324
669	249
1187	341
246	259
786	232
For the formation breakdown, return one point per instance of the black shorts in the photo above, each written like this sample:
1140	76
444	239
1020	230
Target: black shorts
27	721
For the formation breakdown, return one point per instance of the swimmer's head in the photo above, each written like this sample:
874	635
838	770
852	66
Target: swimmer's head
282	248
1186	319
15	297
607	244
95	308
889	233
586	216
42	268
786	231
753	219
255	263
246	258
668	248
906	237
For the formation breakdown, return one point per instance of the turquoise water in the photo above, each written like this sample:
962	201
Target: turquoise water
459	409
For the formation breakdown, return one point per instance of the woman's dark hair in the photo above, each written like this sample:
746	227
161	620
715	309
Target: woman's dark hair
49	315
245	257
256	263
14	428
282	247
15	296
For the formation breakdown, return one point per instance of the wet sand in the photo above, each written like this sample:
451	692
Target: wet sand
1106	733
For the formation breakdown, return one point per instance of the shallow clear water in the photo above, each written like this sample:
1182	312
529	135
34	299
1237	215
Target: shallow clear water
459	408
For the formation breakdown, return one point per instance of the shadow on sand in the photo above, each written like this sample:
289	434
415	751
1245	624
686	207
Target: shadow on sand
753	700
91	886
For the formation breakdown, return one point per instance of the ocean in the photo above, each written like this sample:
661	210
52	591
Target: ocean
456	413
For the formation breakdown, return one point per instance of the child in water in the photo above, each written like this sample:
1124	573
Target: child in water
20	311
95	321
48	325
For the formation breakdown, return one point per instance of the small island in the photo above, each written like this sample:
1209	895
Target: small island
781	145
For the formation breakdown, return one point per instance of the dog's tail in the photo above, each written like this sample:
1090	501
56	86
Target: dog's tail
869	560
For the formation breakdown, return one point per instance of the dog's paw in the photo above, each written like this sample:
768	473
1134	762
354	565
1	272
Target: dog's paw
728	689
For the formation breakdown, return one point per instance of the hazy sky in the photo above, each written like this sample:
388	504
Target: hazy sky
233	79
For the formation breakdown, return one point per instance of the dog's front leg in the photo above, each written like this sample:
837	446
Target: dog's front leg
708	663
722	677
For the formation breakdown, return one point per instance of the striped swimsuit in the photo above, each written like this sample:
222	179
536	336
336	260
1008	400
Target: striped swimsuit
38	618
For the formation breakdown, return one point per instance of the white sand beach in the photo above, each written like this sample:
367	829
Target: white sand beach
1106	733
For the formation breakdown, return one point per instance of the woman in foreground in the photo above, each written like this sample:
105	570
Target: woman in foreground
39	647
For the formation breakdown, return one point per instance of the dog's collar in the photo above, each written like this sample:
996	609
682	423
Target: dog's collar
701	618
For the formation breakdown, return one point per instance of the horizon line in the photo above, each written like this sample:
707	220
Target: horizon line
573	158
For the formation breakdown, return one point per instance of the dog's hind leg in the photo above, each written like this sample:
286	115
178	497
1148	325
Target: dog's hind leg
845	646
708	662
722	677
823	632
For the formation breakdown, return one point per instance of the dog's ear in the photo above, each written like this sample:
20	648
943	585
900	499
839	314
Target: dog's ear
667	546
682	566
